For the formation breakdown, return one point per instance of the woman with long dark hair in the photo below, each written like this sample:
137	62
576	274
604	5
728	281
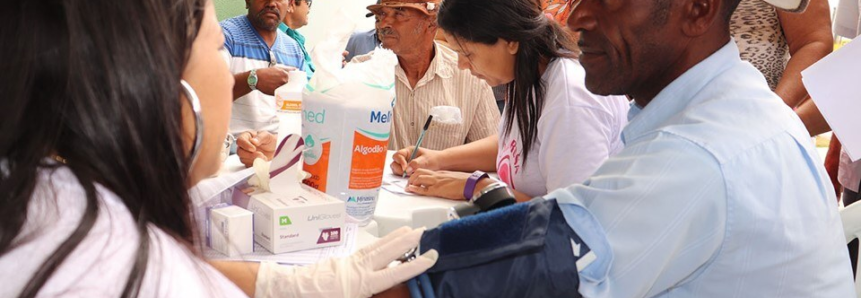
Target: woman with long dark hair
553	132
111	110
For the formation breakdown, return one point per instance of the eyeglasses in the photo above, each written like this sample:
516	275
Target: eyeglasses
309	3
272	60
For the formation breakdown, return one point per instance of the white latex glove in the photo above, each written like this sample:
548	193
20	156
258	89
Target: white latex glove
361	275
261	175
261	179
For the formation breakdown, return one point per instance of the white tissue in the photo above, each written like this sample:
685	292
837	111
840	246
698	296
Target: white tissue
446	114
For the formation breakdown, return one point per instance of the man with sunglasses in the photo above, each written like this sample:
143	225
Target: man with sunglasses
427	75
259	57
297	17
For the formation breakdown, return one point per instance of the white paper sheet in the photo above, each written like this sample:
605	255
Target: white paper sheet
396	184
834	84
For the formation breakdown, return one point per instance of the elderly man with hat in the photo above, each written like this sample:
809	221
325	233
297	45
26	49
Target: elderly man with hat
427	76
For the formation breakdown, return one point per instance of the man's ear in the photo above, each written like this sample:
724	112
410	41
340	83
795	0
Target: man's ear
432	25
698	16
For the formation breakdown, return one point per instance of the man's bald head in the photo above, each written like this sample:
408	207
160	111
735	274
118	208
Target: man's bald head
662	10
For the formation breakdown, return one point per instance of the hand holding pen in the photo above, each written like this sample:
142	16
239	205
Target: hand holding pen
419	142
409	159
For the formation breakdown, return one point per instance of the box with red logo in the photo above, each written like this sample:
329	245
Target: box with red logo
288	215
302	220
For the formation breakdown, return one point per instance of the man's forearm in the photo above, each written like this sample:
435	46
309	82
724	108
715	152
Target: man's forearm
398	291
812	118
478	155
790	88
240	85
243	274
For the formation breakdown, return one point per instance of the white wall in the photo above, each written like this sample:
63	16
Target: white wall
323	15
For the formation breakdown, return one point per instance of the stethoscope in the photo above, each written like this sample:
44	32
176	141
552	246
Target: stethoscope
419	286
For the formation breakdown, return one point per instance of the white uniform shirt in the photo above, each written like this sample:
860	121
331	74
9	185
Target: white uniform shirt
577	132
101	263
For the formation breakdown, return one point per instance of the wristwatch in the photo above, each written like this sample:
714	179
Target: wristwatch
469	188
252	80
494	196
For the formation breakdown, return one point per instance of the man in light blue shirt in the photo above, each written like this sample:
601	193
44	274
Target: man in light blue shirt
718	192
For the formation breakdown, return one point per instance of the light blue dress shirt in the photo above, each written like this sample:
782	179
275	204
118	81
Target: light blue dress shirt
718	193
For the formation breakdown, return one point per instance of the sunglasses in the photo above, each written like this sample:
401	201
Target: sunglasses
297	2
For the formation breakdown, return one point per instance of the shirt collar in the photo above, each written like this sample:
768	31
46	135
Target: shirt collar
292	33
438	67
678	94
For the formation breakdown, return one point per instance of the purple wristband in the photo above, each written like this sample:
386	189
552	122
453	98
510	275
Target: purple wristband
469	188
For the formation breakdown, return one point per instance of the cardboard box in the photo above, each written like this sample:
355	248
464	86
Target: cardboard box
305	220
231	230
288	215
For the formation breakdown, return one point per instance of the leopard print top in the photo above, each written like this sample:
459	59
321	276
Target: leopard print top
757	31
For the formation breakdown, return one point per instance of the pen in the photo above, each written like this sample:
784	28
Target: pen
418	143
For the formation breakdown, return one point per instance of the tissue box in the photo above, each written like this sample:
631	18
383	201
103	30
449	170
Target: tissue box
231	230
302	220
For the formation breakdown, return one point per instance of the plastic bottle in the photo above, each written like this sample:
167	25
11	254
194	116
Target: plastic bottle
288	97
288	102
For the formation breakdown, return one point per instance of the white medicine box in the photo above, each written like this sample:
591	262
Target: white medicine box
305	219
231	230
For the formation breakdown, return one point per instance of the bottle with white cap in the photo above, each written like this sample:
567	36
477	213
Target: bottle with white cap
288	102
288	97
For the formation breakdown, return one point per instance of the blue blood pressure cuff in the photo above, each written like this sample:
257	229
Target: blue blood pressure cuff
523	250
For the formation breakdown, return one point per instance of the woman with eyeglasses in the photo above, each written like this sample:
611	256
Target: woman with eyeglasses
112	110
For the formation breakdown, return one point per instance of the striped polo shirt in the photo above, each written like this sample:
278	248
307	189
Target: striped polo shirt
247	50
